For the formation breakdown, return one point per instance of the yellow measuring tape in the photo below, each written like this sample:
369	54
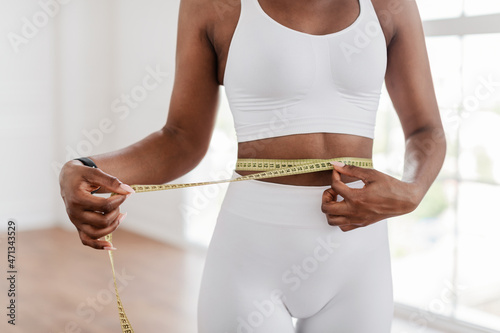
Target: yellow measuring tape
270	168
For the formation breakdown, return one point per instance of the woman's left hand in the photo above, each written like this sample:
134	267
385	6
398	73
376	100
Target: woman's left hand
382	196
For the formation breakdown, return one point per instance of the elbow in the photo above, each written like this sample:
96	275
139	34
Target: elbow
439	136
197	153
189	149
431	134
428	140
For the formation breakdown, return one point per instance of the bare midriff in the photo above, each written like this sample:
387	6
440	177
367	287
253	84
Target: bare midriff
306	146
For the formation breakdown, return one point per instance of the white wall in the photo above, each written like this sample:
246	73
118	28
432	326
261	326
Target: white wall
27	109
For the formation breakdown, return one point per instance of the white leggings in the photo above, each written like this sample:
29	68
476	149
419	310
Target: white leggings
273	256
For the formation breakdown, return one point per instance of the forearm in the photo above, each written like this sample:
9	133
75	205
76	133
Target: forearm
158	158
424	156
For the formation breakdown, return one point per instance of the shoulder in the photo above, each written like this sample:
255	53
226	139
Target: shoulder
209	11
395	15
199	13
210	15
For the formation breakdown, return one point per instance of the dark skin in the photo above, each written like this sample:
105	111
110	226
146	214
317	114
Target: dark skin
204	35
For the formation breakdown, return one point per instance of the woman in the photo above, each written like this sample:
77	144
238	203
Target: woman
303	80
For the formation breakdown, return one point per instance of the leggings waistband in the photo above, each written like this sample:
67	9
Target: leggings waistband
282	204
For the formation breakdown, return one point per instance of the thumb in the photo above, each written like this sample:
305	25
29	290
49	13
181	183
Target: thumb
338	186
107	182
350	170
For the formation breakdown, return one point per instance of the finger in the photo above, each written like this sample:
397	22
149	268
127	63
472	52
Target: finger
338	221
329	195
348	227
350	170
335	208
107	182
100	204
96	233
91	238
343	222
336	175
338	186
94	243
98	220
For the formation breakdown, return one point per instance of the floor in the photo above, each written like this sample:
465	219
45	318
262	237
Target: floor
64	287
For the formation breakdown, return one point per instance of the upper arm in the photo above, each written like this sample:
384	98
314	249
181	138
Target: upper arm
194	99
408	77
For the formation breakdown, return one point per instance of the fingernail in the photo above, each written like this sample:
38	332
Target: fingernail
127	188
338	164
110	248
121	218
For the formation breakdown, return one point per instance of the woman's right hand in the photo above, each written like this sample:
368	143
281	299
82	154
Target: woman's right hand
93	216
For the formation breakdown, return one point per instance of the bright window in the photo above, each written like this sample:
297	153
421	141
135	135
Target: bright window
438	9
481	7
446	253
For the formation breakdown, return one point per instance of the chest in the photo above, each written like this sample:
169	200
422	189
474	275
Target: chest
314	20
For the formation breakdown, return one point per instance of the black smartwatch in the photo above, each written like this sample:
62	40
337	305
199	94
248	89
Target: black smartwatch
87	162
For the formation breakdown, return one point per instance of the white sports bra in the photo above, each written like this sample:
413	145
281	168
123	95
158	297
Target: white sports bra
280	81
